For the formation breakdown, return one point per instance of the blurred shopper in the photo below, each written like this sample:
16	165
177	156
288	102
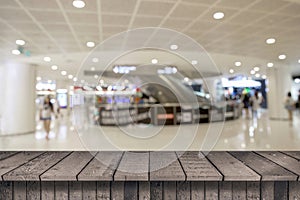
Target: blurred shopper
45	114
255	104
289	105
246	103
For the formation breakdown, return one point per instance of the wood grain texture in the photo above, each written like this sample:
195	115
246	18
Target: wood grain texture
231	168
211	190
156	190
47	190
294	154
103	190
253	190
239	190
69	167
267	190
75	190
131	190
169	190
290	163
17	160
133	167
32	170
197	190
144	190
19	190
164	166
61	190
33	189
197	167
89	190
281	190
294	190
6	154
102	167
225	190
183	190
266	168
6	190
117	190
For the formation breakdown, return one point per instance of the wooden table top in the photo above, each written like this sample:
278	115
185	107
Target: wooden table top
149	166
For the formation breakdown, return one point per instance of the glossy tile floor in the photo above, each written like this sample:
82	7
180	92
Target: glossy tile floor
239	134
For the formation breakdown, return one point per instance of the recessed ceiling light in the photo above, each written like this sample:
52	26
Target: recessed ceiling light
218	15
299	61
257	75
92	68
154	61
63	73
231	71
256	69
186	79
264	76
75	79
194	62
95	60
47	59
78	4
282	57
38	78
54	67
270	64
101	81
90	44
238	63
297	80
20	42
70	76
270	40
252	72
96	76
174	47
16	52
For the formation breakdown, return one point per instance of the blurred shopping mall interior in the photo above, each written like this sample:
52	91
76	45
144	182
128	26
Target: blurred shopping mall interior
150	74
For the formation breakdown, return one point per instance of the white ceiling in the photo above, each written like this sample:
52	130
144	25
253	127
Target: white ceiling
56	28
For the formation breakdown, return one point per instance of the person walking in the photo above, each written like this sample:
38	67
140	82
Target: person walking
289	105
255	104
246	103
45	114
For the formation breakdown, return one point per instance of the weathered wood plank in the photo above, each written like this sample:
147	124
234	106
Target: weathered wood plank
267	190
61	190
197	190
68	168
183	190
89	190
47	190
164	166
281	190
231	168
156	190
294	190
6	154
211	190
225	188
31	170
253	190
283	160
144	190
294	154
239	190
169	188
103	190
6	190
133	167
75	190
266	168
102	167
19	190
131	190
33	189
197	167
117	190
15	161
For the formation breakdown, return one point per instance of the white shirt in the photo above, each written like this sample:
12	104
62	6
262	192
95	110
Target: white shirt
255	103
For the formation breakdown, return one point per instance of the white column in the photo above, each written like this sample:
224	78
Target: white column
18	100
279	84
